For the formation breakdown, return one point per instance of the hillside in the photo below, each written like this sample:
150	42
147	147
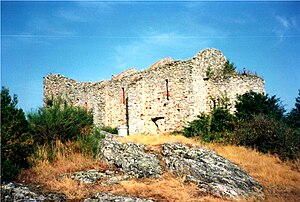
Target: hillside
280	181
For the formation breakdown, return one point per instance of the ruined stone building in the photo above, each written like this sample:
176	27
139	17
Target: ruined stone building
162	98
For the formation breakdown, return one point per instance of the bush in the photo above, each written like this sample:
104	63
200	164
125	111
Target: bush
59	121
293	118
269	135
198	127
258	123
16	141
252	103
228	68
214	126
222	121
209	72
110	129
89	143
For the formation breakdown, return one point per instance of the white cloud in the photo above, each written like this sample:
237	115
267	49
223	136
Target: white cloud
285	26
284	22
154	45
180	40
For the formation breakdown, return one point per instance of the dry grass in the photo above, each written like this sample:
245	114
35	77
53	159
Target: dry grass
67	160
160	139
167	189
280	181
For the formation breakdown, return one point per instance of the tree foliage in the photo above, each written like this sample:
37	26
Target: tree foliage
228	68
293	118
258	123
212	126
251	103
269	135
59	121
89	143
16	142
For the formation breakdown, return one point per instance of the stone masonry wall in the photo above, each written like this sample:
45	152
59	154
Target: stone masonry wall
235	85
160	99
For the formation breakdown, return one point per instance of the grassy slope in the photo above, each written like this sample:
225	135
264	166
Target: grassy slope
280	181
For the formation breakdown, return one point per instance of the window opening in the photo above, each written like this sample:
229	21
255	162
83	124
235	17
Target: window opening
167	88
123	96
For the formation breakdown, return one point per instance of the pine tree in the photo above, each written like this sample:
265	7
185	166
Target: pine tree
16	142
293	118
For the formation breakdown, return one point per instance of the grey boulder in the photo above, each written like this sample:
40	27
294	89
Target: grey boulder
131	158
211	172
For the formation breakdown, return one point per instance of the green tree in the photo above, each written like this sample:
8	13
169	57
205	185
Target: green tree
16	141
228	68
212	126
293	118
59	121
198	127
269	135
222	120
252	103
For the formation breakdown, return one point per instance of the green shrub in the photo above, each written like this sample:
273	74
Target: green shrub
222	121
214	126
258	123
89	143
16	141
228	68
269	135
262	125
198	127
59	121
86	143
252	103
110	129
293	117
209	72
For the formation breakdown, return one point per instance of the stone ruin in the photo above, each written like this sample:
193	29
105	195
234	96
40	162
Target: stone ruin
162	98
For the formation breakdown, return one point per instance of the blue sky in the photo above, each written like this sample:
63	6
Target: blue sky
90	41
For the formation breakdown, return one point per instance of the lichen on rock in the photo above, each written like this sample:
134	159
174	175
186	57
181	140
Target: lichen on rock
131	158
108	177
13	191
107	197
211	172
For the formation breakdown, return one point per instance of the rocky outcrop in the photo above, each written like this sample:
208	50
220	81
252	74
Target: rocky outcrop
16	192
12	192
108	177
210	171
107	197
130	158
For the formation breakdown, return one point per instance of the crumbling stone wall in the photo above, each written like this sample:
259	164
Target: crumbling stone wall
162	98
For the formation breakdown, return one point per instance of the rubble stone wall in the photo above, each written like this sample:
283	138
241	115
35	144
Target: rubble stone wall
160	99
235	85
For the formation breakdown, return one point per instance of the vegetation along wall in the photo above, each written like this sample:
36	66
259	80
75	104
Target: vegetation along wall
162	98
